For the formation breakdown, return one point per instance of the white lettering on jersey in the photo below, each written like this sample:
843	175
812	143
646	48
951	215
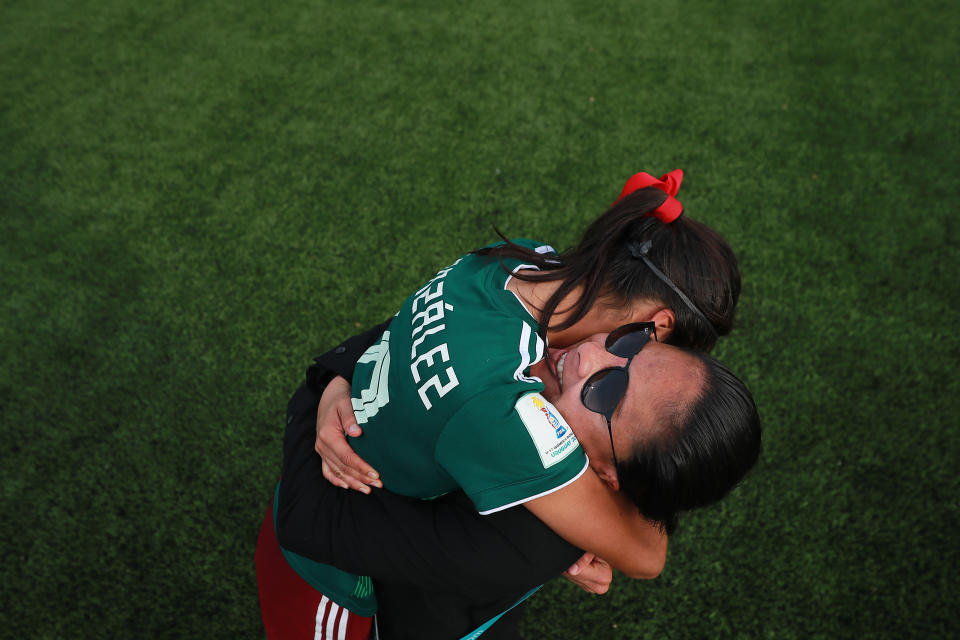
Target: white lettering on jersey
428	358
423	336
434	383
431	314
426	295
427	323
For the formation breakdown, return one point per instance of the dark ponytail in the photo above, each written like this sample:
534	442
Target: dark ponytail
690	254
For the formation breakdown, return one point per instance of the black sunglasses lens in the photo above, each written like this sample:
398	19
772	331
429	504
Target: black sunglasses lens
628	340
604	390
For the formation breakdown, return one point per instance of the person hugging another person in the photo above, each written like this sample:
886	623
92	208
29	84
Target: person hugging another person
573	390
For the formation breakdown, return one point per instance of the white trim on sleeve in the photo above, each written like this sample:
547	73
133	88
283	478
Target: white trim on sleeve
526	333
544	493
507	281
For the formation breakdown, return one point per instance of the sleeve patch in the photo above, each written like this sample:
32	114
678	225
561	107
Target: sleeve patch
551	435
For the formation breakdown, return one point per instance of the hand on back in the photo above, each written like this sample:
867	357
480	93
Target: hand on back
335	420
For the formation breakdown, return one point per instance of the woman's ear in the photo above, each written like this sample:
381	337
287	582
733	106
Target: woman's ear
608	473
665	321
653	311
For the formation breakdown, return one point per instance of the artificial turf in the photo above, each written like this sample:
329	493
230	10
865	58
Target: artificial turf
197	197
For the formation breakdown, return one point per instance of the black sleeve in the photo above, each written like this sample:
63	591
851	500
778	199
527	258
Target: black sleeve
440	545
341	360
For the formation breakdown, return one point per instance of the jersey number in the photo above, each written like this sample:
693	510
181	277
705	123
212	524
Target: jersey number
377	394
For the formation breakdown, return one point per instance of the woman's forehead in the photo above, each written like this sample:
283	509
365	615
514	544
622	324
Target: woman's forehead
661	375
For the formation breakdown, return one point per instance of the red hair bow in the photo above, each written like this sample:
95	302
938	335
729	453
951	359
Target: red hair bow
669	183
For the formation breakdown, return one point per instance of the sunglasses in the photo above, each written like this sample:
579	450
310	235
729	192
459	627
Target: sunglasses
604	391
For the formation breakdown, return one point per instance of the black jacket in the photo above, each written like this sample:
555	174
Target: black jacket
440	569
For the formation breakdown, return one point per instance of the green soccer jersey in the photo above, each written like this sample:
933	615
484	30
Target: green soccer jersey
446	401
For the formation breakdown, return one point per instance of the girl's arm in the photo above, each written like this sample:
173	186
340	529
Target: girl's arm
590	515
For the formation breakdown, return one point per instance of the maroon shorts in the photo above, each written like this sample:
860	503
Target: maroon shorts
291	608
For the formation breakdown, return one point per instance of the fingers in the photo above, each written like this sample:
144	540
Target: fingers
349	462
346	417
354	430
341	465
591	574
581	562
601	576
337	476
590	586
354	469
333	477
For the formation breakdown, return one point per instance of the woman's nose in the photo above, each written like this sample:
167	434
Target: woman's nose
594	356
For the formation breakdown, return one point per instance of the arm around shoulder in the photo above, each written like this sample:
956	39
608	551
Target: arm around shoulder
590	515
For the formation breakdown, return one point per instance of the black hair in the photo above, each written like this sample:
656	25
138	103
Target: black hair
695	461
605	263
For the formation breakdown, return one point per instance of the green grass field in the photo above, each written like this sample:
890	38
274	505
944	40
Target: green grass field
196	197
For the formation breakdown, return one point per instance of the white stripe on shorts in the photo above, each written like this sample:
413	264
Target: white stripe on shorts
342	627
331	620
325	632
318	627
